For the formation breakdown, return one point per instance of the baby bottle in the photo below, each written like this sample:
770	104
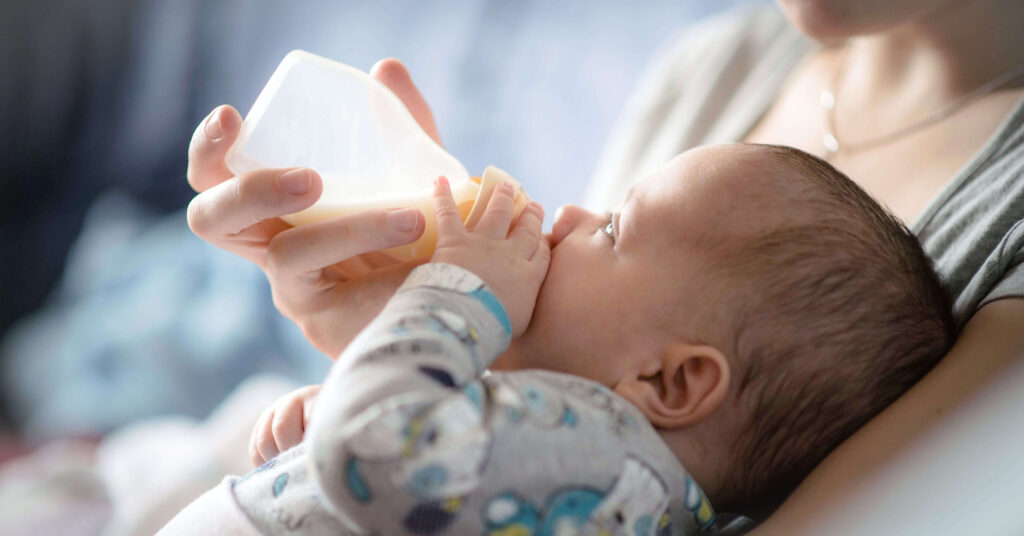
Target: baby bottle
363	142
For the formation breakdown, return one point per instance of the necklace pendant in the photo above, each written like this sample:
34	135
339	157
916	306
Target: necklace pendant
830	142
827	99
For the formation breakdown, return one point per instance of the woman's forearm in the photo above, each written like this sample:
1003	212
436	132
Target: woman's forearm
993	339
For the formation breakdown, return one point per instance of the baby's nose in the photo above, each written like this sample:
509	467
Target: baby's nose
566	219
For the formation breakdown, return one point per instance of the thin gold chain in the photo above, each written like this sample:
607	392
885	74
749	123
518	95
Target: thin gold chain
830	138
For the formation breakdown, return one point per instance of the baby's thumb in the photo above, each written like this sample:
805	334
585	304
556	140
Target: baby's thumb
543	252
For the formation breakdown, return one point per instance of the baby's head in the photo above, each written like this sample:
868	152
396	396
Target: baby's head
755	304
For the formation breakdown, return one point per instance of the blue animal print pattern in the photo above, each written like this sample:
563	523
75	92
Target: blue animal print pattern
434	444
636	504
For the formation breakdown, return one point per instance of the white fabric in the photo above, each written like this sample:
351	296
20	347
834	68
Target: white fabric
215	513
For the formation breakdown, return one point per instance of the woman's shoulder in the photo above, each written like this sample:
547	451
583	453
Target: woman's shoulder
744	33
974	229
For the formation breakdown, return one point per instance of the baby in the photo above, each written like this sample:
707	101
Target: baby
746	309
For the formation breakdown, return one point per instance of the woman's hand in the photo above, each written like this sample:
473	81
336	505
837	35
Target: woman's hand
326	277
511	257
282	425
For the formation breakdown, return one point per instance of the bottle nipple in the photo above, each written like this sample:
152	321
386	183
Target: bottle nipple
492	177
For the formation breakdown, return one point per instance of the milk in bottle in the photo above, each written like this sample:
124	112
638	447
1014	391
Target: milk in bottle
363	142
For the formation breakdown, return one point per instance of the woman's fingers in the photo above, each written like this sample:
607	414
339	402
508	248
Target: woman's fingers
448	220
499	213
210	143
393	74
528	229
310	248
378	259
232	206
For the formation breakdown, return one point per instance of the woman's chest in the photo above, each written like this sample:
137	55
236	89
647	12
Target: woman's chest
904	173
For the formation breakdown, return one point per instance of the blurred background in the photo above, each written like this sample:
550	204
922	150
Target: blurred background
111	310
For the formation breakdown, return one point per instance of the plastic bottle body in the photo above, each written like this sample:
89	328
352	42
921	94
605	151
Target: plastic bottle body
360	138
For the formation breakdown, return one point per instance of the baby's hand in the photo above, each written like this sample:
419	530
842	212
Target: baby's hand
282	425
512	263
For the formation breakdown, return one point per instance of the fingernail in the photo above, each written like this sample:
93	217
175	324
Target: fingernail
295	182
213	128
403	219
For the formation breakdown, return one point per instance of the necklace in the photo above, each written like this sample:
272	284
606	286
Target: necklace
830	139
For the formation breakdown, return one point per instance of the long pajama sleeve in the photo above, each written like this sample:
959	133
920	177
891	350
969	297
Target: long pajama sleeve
411	436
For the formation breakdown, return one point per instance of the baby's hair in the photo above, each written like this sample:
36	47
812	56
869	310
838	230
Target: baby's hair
838	312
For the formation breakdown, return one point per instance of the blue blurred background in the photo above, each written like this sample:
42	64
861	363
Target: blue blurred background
110	309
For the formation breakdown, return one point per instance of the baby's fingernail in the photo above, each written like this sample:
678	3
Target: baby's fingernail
295	182
213	128
403	219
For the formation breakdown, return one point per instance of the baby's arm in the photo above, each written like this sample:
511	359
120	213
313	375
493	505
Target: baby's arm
513	262
517	273
394	414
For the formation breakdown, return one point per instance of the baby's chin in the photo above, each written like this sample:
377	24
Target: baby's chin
512	359
519	356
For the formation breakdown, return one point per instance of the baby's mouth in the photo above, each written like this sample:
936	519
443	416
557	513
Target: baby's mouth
549	237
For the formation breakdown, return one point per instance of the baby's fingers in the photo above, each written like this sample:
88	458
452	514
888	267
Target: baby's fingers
541	258
261	441
288	424
498	215
448	220
527	230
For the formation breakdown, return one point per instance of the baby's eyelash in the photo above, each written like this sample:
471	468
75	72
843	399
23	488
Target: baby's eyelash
609	228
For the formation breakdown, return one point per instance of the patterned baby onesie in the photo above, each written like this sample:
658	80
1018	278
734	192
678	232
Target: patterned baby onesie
410	435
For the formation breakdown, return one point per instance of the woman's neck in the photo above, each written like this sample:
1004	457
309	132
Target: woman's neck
929	62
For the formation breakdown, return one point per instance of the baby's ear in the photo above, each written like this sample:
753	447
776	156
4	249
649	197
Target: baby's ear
679	388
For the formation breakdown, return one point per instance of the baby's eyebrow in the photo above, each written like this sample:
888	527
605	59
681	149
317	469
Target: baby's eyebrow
629	193
616	216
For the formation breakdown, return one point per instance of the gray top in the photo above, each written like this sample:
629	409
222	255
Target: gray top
715	82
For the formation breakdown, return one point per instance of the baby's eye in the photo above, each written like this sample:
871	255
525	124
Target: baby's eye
609	228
